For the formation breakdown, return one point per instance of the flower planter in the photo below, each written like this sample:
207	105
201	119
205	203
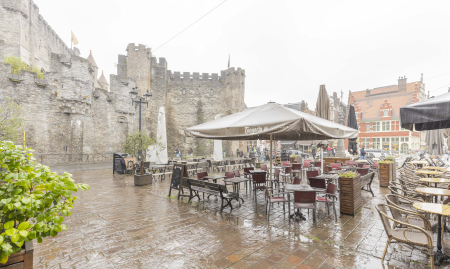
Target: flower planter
350	195
22	259
386	173
329	161
143	180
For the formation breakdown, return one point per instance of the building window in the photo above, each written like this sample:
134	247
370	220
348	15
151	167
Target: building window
394	143
385	143
404	148
376	126
385	126
386	113
365	142
368	127
395	125
404	139
376	143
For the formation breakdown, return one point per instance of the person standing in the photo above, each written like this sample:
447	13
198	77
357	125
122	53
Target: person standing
333	151
177	153
237	152
363	153
313	150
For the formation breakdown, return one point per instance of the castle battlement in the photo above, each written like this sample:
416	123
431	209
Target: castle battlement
205	76
159	63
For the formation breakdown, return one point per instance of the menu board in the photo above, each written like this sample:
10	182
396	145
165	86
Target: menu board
177	181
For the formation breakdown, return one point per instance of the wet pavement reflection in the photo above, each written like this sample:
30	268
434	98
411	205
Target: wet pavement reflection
118	225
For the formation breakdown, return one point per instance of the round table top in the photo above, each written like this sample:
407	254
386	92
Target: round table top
439	209
434	168
428	172
434	191
435	180
361	161
418	162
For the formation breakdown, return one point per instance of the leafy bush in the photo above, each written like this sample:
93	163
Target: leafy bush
348	175
33	199
17	65
389	158
140	141
385	162
11	121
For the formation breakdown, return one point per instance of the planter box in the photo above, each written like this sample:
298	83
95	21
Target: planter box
329	161
299	159
350	195
386	173
22	259
143	180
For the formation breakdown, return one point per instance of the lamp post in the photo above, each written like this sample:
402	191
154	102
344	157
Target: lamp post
140	100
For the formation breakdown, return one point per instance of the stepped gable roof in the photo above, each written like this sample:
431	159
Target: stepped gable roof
371	105
102	79
90	58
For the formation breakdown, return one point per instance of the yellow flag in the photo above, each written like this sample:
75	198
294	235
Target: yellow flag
74	39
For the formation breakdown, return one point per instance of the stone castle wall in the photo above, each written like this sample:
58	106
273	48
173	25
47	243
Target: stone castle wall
70	120
27	35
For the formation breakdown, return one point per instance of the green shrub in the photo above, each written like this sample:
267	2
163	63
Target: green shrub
33	199
389	157
348	175
385	162
17	65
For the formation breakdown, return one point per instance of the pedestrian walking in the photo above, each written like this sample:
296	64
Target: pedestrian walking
363	153
313	150
333	151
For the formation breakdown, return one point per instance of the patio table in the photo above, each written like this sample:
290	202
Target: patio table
434	192
214	178
419	164
361	161
441	169
440	210
159	169
429	173
434	180
236	186
332	177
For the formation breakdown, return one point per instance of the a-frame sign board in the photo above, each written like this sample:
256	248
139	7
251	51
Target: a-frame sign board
178	181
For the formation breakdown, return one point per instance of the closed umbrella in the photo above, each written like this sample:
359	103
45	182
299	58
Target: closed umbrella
446	134
323	111
435	142
352	123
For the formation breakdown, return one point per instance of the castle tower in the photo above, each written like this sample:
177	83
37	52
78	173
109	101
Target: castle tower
103	82
138	66
91	60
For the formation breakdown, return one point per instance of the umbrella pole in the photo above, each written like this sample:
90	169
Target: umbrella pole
321	159
270	171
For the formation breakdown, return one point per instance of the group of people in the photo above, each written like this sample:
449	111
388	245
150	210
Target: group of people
331	150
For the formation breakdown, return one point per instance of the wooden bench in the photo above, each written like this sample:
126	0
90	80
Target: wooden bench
366	182
199	186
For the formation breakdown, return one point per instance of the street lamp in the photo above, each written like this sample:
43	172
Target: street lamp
140	100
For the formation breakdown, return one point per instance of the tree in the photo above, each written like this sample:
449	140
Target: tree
139	141
11	121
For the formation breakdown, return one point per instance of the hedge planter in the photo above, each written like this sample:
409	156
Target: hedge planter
350	195
22	259
143	180
386	173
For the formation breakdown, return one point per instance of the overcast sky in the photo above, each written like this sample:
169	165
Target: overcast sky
288	48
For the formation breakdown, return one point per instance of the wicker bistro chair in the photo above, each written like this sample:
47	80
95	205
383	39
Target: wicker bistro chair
401	210
329	198
329	168
276	178
312	173
360	165
277	198
317	164
259	183
411	235
306	199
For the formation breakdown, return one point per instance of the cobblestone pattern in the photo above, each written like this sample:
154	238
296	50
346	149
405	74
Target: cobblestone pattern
118	225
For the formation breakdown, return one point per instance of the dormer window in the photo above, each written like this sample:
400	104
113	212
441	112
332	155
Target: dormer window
386	113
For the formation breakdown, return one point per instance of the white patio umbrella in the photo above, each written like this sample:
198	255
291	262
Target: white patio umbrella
271	122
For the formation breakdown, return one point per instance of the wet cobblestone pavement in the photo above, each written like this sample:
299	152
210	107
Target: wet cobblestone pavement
118	225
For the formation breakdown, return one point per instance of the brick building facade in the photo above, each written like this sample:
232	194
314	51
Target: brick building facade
378	115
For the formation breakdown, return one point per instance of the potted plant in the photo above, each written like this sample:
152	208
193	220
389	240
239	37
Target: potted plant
350	193
386	171
137	145
34	202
